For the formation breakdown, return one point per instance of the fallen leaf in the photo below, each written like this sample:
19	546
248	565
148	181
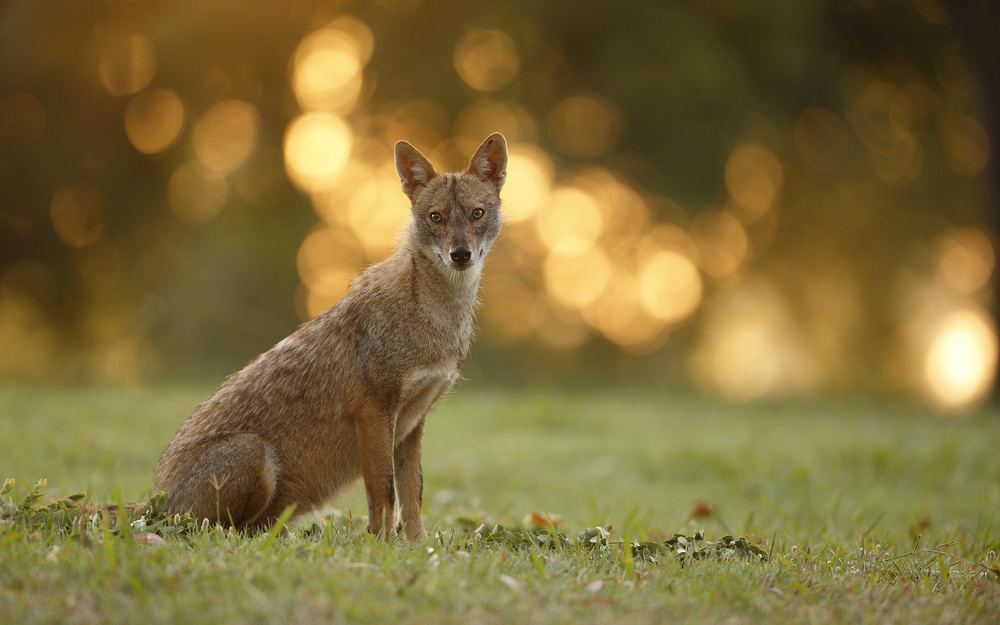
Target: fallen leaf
542	519
703	509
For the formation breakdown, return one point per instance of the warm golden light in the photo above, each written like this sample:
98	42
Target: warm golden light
359	33
960	364
561	329
966	259
225	135
377	212
317	147
821	138
97	266
78	215
487	60
744	365
27	288
510	306
483	117
421	122
127	65
529	182
577	281
571	222
621	318
196	194
722	242
966	143
624	212
749	346
584	126
753	177
327	71
670	286
882	116
153	120
327	262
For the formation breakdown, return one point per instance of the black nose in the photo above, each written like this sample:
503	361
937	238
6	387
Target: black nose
461	254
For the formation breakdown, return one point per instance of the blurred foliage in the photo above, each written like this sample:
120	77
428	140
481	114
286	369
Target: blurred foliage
761	197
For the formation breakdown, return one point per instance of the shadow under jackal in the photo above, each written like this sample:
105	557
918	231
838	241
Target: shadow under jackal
347	394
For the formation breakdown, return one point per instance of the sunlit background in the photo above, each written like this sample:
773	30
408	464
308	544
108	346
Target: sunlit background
758	199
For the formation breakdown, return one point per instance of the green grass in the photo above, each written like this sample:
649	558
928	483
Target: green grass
870	512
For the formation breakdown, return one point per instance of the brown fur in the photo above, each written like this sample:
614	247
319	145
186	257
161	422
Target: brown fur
347	394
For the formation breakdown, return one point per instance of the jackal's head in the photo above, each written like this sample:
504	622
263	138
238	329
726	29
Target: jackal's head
456	216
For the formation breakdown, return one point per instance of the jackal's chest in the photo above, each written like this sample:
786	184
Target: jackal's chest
420	389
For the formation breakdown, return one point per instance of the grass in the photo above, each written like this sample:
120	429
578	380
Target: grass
869	512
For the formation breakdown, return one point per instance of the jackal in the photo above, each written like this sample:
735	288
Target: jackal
347	394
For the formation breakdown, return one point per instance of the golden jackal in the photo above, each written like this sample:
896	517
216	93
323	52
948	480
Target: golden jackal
347	394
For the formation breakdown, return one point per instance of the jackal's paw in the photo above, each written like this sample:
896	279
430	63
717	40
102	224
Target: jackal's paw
412	531
388	533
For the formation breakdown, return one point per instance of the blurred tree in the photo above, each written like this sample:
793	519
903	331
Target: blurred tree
145	205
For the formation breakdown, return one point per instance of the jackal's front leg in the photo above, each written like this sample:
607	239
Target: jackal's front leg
410	483
375	438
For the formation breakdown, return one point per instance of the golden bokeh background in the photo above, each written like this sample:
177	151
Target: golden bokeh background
180	183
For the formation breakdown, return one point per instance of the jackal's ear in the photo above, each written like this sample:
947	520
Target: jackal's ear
489	164
414	170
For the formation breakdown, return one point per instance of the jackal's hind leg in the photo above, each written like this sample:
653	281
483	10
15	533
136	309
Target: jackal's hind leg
229	480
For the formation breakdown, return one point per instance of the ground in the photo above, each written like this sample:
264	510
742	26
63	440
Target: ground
864	510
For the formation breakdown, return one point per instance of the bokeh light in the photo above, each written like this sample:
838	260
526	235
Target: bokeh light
377	211
753	177
327	262
821	138
722	242
571	222
695	223
961	361
510	307
882	116
196	194
421	122
624	212
97	267
27	289
327	66
966	143
317	146
584	126
484	117
225	135
529	183
560	328
670	286
619	315
78	214
577	280
965	259
127	64
487	60
153	120
750	348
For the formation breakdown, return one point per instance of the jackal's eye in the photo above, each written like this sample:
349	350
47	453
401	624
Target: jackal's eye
477	213
435	217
